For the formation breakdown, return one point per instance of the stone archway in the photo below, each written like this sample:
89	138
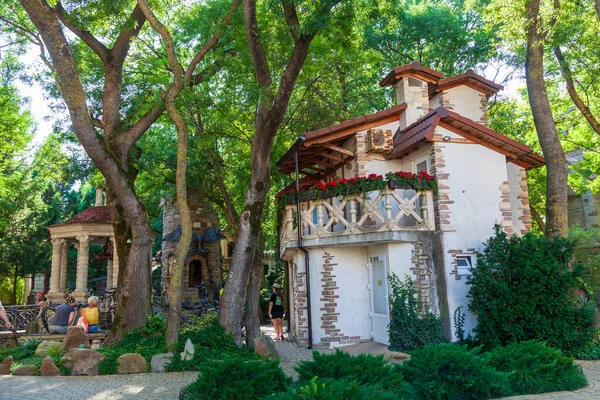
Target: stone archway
196	272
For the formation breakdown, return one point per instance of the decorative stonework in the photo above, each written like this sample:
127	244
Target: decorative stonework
442	202
301	307
422	275
329	298
361	154
483	120
505	208
523	198
379	141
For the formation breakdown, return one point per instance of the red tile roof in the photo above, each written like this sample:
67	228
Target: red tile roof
94	215
422	130
469	78
413	69
352	123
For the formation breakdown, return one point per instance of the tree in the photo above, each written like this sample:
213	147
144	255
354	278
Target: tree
270	113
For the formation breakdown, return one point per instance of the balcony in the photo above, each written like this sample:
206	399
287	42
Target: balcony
370	217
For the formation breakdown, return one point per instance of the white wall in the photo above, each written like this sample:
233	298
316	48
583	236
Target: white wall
475	176
466	101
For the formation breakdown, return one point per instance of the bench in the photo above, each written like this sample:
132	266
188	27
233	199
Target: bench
59	337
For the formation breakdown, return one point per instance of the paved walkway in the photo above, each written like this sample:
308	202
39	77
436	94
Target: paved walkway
168	385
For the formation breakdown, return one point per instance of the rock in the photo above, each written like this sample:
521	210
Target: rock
83	361
188	351
131	363
160	361
24	370
264	346
32	327
96	344
44	347
75	337
6	366
396	355
48	368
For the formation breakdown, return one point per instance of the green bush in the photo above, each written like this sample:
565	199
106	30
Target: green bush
364	369
410	327
333	389
21	352
449	371
133	342
238	380
211	342
521	289
534	367
592	352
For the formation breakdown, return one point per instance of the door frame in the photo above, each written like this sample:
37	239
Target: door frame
373	316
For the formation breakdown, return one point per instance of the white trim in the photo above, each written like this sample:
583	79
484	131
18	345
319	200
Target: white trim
420	160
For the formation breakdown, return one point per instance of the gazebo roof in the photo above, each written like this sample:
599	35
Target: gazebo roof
94	215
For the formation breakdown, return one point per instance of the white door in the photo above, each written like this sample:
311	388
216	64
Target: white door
380	315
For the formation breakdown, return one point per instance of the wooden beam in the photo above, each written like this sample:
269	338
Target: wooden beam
338	149
330	156
453	140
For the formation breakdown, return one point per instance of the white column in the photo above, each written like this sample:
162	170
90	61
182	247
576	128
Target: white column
82	267
54	292
115	268
64	258
27	289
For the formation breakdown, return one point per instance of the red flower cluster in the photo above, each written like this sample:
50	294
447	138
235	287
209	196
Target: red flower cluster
421	175
284	192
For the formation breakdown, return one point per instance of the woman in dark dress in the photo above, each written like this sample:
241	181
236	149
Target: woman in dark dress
276	312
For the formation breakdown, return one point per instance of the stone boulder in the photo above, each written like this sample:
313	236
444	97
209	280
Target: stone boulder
396	355
48	368
75	337
131	363
83	361
24	370
44	347
188	352
160	361
265	347
6	366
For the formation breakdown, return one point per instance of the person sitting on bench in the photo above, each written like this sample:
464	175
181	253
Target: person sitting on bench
63	316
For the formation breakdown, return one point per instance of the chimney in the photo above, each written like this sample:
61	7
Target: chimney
412	87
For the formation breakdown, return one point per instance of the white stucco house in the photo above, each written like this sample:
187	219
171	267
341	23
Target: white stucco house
348	244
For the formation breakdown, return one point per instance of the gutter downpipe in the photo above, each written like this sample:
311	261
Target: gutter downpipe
287	274
303	249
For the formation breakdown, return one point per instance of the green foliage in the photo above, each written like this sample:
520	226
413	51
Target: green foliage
534	367
334	389
592	352
133	342
236	379
449	371
55	350
211	342
587	252
411	327
521	289
21	352
342	365
157	324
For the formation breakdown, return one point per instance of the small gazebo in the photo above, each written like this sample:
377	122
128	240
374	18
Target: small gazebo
90	227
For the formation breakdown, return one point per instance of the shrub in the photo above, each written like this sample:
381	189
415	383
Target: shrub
535	368
332	389
592	352
21	352
157	324
410	327
449	371
521	290
133	342
364	369
238	380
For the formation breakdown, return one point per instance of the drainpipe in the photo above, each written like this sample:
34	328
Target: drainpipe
303	249
287	273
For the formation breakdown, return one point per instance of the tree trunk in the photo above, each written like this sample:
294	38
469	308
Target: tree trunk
253	296
556	190
538	219
269	116
597	6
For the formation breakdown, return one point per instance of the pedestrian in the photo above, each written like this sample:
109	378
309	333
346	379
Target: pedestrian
276	312
4	317
92	314
63	316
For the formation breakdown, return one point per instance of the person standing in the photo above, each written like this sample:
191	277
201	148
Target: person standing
276	311
62	316
4	317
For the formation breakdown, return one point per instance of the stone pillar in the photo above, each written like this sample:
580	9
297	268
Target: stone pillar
27	289
82	268
54	293
115	264
64	258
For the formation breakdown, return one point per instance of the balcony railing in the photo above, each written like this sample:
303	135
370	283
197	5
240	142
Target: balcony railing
388	209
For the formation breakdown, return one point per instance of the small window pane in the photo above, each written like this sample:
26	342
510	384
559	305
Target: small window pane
422	166
462	262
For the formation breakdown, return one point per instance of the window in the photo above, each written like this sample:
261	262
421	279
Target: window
38	283
422	165
464	265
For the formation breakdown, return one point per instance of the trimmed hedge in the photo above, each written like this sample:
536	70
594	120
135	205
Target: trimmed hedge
334	389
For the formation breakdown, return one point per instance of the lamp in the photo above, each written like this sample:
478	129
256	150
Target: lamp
446	138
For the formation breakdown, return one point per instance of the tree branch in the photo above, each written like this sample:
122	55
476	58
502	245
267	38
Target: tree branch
257	51
291	18
568	77
121	47
230	211
90	40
